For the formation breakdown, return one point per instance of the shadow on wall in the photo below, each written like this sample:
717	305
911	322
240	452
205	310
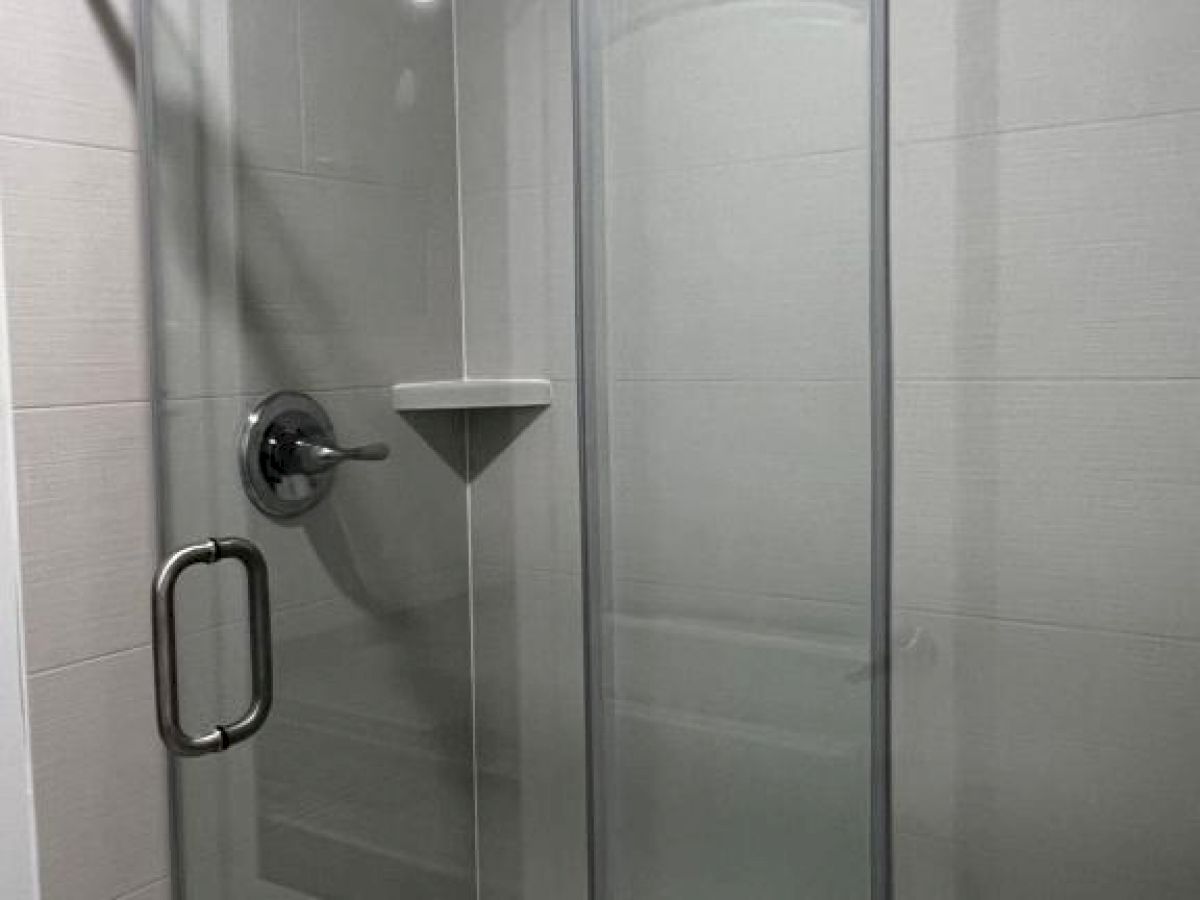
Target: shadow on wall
208	242
391	685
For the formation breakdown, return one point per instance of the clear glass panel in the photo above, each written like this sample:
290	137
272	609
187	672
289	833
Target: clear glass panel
304	232
736	625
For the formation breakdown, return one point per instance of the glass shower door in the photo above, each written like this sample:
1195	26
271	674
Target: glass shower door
310	166
727	320
302	203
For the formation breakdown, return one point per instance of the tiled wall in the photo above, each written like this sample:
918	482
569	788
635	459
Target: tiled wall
1048	345
514	84
68	177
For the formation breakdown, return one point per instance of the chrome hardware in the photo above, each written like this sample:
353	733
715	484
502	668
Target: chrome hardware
289	453
166	671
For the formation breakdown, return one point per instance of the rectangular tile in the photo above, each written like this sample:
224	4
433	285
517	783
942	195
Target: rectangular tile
976	677
266	82
933	869
1083	434
1063	253
1059	502
66	71
760	488
702	83
77	314
343	284
965	67
705	812
1062	748
519	283
747	271
514	93
379	91
100	778
1116	555
530	734
525	486
86	483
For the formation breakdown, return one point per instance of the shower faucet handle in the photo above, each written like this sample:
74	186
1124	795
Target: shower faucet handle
289	453
312	458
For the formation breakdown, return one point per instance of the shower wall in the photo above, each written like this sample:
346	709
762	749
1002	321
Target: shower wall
78	342
516	176
1047	198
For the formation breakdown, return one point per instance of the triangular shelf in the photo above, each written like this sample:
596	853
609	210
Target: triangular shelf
471	393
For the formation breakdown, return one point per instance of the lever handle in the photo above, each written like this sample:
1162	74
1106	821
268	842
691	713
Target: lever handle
288	454
316	458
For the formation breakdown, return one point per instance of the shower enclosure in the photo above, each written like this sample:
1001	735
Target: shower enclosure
524	415
615	631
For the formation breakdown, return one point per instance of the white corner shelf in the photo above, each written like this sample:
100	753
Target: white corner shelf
471	393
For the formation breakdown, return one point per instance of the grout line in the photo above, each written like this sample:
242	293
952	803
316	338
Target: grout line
131	150
903	608
1065	125
137	890
473	650
468	489
64	407
770	159
460	227
100	657
394	187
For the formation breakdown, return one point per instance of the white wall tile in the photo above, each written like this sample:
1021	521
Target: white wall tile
266	82
966	66
1059	502
87	530
340	284
530	734
705	811
1114	555
524	486
99	778
76	308
66	71
379	91
744	271
1085	434
514	93
692	84
1056	743
790	516
519	276
1062	253
934	869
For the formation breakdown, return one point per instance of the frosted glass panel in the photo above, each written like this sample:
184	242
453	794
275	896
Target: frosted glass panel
736	707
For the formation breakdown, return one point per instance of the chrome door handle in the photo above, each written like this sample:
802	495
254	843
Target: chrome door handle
166	667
